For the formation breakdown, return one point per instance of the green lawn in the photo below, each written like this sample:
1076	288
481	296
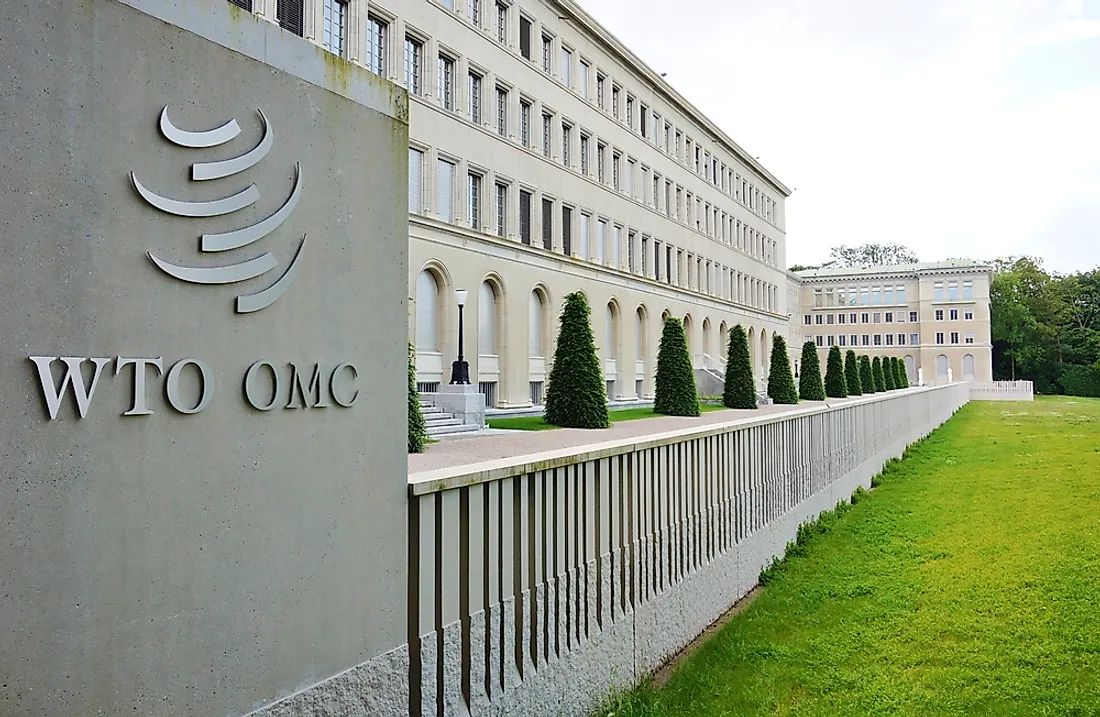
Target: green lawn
535	423
968	582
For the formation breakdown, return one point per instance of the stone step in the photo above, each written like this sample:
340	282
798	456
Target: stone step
451	430
430	410
443	419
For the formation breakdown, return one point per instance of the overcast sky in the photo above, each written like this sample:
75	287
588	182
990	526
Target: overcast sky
957	127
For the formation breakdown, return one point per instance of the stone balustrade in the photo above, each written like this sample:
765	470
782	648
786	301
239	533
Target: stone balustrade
1002	391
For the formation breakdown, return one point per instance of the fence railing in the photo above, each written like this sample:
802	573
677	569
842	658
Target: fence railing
1002	391
537	583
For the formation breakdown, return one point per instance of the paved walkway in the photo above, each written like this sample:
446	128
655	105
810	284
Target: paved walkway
507	444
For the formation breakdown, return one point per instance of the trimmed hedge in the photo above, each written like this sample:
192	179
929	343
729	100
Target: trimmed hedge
576	396
676	394
889	376
418	429
851	374
877	375
739	389
780	379
903	377
810	385
835	385
1080	380
866	375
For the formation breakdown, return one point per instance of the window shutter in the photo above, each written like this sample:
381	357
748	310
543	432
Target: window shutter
416	181
291	15
445	206
525	217
243	4
547	224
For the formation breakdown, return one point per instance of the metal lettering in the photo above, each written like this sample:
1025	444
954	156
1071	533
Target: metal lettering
82	393
249	390
172	386
332	385
140	408
315	391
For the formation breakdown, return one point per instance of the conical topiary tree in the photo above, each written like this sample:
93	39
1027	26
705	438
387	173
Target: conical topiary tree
866	376
576	396
876	375
780	379
676	395
888	374
903	375
894	372
739	389
418	429
851	374
810	386
835	385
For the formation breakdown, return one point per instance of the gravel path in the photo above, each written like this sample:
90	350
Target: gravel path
449	453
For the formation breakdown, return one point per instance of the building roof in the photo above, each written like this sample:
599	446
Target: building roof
947	266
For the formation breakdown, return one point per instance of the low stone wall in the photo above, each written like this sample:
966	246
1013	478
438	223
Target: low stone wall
538	583
1002	391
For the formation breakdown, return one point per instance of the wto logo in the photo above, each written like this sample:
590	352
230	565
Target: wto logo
238	238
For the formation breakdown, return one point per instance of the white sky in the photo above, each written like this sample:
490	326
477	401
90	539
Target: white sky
961	128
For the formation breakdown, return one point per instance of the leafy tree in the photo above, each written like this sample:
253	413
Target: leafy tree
877	376
740	392
835	385
780	379
676	395
888	374
873	255
866	375
576	396
418	429
851	374
810	385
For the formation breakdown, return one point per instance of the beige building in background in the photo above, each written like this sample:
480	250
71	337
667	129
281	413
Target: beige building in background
934	316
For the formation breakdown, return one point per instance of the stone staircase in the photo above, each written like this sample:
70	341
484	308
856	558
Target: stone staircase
441	423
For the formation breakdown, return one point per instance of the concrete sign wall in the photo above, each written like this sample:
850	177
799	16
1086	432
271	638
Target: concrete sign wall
202	275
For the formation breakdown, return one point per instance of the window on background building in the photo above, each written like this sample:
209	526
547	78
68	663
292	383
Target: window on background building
547	44
445	191
631	260
939	314
525	37
968	337
876	296
952	290
878	340
939	337
888	295
567	230
584	155
830	340
643	120
243	4
474	8
864	296
601	241
334	26
818	319
599	91
525	123
954	337
853	340
548	224
841	318
502	23
546	124
473	200
630	112
807	319
501	209
566	140
953	314
474	88
566	69
820	340
616	246
445	83
901	339
414	50
525	217
376	45
601	150
889	339
829	319
876	318
901	295
645	255
912	317
502	112
843	340
615	102
889	316
616	161
937	291
416	179
968	315
584	72
968	290
914	339
866	340
865	318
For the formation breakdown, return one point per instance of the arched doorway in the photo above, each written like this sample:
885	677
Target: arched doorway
490	339
968	366
611	349
641	351
538	340
763	368
910	369
429	330
689	337
941	367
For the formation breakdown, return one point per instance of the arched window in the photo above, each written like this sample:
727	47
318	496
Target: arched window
639	336
536	317
486	320
941	366
688	334
707	348
427	312
968	366
610	347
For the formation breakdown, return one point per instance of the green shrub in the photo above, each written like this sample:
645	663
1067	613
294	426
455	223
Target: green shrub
810	386
903	377
739	389
859	495
1079	380
835	385
866	376
676	395
888	374
876	375
851	374
780	379
418	430
576	395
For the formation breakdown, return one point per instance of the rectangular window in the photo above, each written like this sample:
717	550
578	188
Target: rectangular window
819	319
842	340
829	319
853	340
645	255
502	209
502	23
475	97
939	337
866	341
888	296
889	339
939	314
473	200
889	317
525	217
901	294
445	83
968	315
851	318
901	339
525	123
968	337
525	37
952	291
548	224
445	190
584	70
954	314
630	112
547	43
968	290
878	340
601	149
333	26
546	120
567	230
582	238
601	241
615	102
631	262
937	291
954	337
566	140
291	15
876	296
413	51
584	155
243	4
830	340
616	247
912	317
820	340
914	339
616	162
566	69
643	121
376	46
502	112
416	178
599	91
865	318
474	8
840	318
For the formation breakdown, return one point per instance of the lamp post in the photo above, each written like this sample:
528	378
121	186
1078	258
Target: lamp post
460	369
